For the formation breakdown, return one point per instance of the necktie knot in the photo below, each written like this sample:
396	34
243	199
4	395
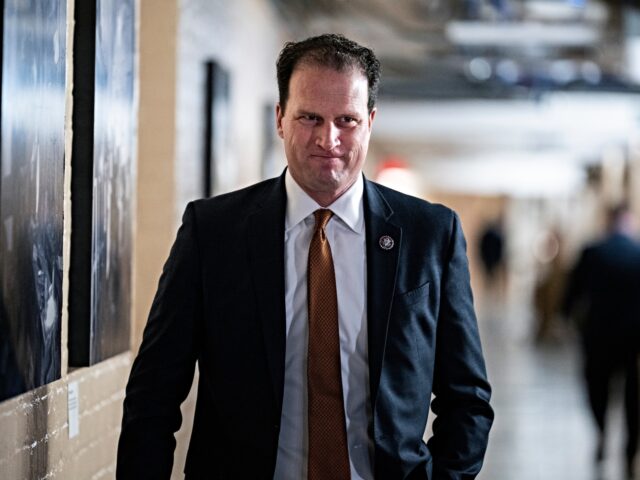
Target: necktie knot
323	215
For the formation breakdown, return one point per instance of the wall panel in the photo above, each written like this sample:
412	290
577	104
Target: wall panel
31	193
102	182
113	173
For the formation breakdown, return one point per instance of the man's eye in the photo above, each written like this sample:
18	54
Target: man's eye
309	119
347	121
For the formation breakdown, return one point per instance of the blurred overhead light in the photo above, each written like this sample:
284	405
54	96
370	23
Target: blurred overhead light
567	10
563	71
508	71
554	11
479	70
517	174
525	34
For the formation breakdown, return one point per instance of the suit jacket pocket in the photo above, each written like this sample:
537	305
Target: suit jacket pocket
417	295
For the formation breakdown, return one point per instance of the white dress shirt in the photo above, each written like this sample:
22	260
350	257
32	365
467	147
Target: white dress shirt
346	234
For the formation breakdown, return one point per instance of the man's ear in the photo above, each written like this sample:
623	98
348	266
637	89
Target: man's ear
372	115
279	115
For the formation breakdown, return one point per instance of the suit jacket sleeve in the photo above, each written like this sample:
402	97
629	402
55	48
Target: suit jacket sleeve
162	373
461	389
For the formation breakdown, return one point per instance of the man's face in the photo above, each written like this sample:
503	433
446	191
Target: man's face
326	129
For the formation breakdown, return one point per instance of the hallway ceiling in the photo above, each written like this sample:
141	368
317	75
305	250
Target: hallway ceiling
465	49
516	88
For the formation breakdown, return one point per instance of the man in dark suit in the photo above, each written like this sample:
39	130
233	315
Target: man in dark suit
323	311
603	293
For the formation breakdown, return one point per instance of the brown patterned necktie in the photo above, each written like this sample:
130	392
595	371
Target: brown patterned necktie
328	453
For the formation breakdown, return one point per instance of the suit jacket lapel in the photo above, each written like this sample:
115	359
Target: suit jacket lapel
381	277
266	246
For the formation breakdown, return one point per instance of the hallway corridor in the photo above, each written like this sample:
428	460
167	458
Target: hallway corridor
543	430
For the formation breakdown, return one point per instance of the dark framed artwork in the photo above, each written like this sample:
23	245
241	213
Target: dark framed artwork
31	193
103	175
216	140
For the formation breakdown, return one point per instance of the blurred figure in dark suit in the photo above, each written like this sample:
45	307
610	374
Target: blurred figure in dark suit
491	248
603	295
491	252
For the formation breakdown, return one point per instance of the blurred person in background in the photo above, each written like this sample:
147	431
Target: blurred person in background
549	288
491	251
603	296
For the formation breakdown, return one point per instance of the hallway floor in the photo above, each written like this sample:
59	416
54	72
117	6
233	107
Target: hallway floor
543	429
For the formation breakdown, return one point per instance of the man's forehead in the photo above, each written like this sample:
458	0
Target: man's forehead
312	94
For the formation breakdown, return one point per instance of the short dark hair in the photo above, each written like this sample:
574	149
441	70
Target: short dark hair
328	50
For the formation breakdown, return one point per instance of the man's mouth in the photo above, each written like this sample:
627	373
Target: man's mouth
326	155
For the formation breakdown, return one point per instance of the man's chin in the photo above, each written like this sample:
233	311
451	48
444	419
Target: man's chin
335	186
329	183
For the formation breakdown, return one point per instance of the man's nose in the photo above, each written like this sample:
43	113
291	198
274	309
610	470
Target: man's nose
327	136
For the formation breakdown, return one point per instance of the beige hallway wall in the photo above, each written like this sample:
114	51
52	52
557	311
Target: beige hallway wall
244	38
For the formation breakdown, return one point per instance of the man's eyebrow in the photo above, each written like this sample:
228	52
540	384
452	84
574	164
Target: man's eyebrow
307	112
350	114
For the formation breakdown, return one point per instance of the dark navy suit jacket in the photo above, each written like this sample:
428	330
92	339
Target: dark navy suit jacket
220	302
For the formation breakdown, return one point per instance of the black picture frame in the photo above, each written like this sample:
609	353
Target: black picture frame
102	181
216	124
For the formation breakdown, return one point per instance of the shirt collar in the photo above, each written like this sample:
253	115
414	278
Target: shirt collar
348	207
